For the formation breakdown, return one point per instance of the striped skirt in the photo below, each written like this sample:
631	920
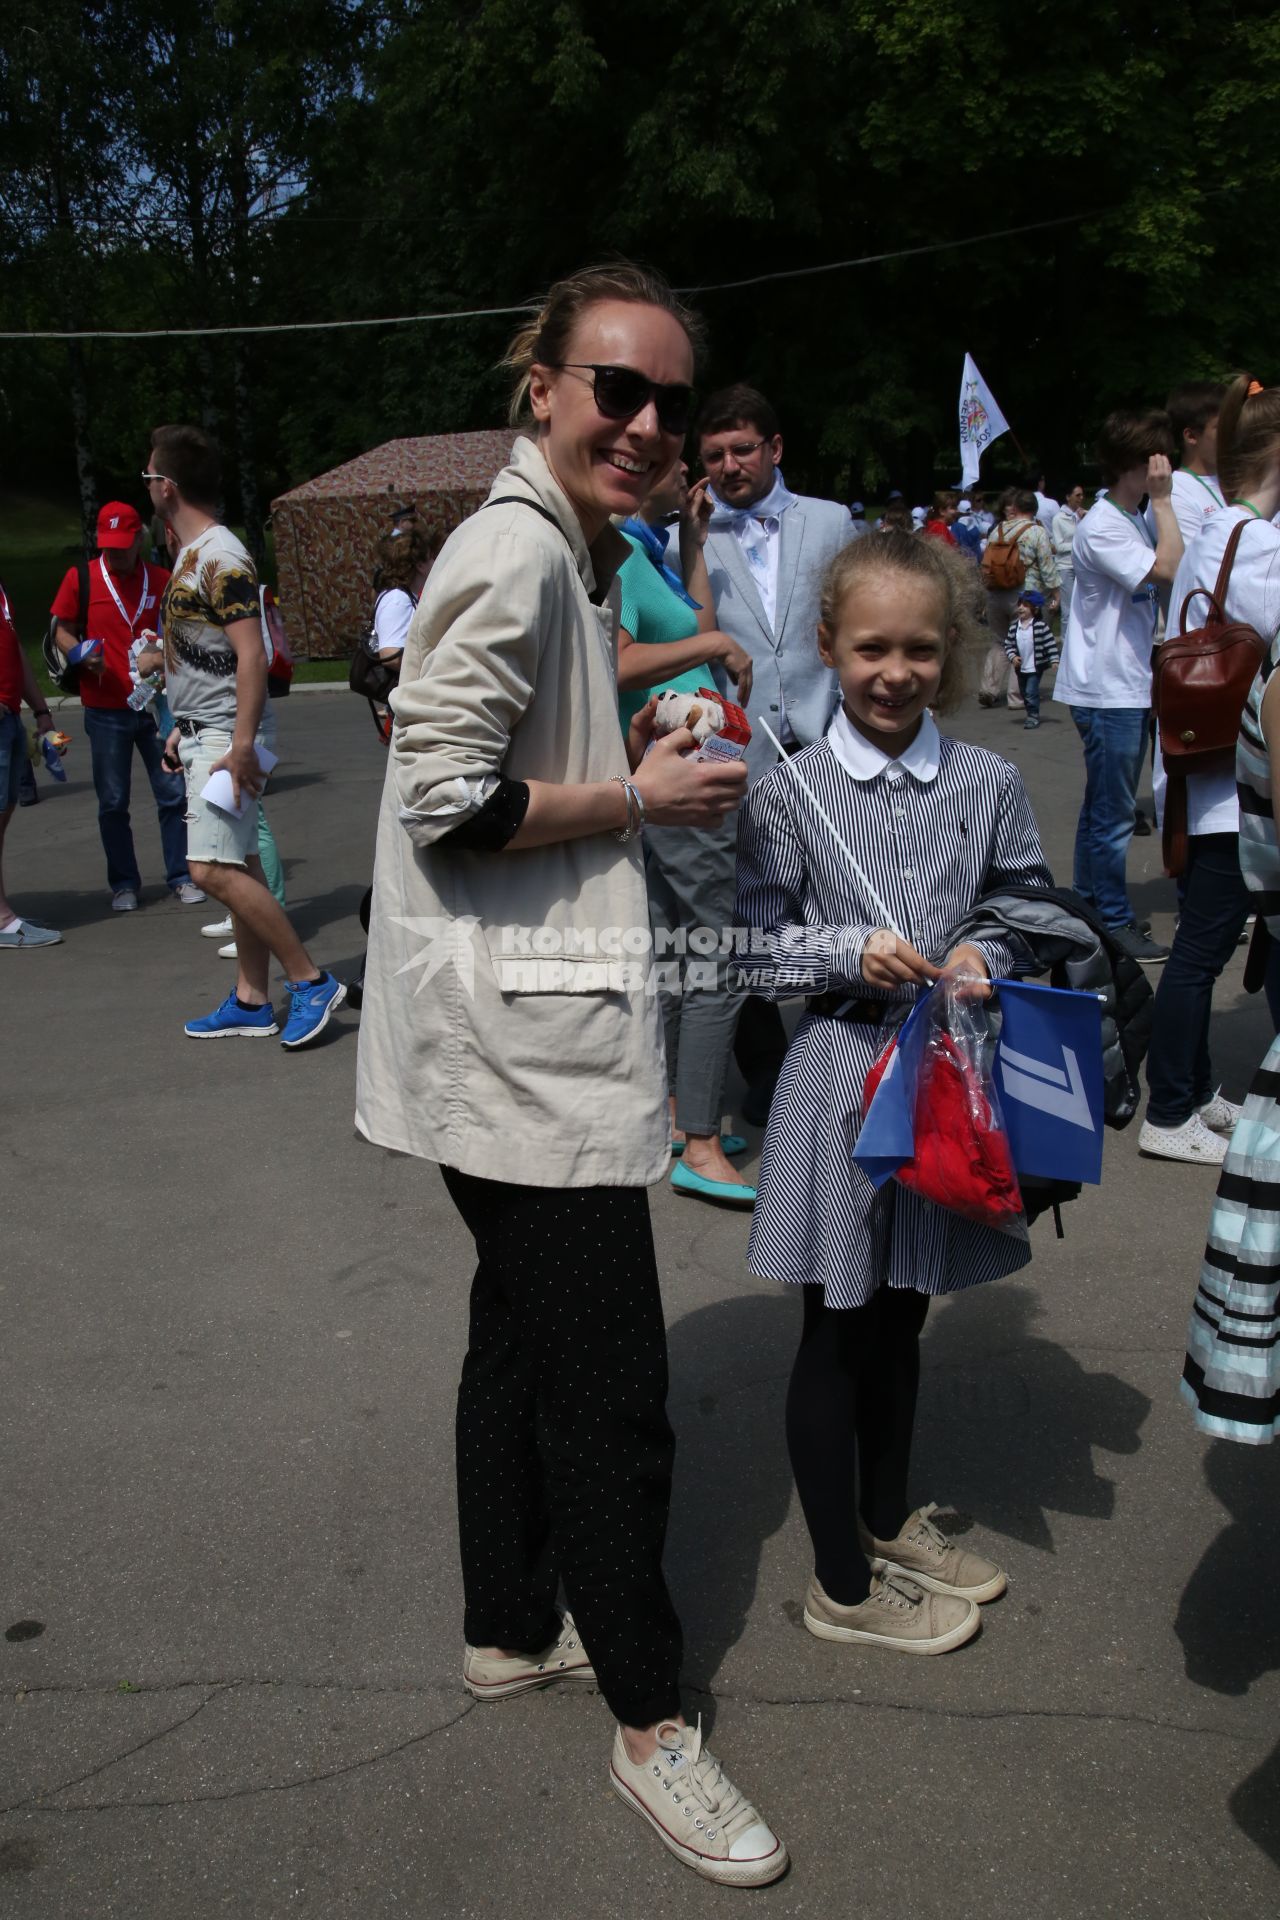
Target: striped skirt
1231	1375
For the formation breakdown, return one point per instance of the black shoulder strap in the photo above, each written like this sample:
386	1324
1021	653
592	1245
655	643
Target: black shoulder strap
534	506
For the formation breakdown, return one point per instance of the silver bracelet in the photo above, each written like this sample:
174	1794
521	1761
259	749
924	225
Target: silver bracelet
635	811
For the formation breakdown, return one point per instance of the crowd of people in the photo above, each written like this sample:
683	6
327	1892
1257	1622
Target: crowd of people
532	805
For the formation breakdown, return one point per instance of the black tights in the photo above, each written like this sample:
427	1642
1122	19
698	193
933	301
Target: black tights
851	1407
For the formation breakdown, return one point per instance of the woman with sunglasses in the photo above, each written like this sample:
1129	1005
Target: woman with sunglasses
508	1036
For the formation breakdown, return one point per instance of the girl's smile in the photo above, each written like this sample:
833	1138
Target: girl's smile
888	649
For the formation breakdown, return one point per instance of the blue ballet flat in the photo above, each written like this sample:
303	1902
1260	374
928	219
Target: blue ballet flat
730	1143
727	1192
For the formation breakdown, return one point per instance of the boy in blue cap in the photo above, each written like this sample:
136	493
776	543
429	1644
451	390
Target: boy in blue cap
1032	648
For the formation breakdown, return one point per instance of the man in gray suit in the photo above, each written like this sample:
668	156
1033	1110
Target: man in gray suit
766	553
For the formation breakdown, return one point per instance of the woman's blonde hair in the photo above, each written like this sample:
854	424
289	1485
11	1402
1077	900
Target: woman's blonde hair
544	340
954	575
1248	436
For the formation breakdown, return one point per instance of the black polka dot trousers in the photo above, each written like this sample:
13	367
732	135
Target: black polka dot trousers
564	1449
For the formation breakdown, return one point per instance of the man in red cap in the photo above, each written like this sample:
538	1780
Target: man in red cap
121	603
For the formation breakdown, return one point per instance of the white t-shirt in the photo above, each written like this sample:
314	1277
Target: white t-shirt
391	619
1253	595
1026	643
1045	510
1196	497
1106	657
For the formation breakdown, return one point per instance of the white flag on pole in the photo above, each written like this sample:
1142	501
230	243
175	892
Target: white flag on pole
981	420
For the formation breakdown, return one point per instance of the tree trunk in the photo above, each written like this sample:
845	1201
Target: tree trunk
250	505
79	392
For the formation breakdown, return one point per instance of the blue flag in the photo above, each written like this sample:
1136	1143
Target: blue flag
887	1138
1048	1071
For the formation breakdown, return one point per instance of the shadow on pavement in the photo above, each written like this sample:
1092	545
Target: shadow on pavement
1009	1420
732	1478
310	916
1228	1620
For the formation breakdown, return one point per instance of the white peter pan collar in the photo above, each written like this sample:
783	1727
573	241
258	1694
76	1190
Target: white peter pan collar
865	762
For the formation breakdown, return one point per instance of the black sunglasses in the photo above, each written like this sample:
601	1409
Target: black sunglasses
621	393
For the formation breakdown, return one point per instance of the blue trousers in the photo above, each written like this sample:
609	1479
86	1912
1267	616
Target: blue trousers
1115	741
113	733
1215	906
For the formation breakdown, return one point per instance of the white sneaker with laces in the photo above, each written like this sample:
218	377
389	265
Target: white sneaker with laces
228	952
1220	1113
498	1676
189	894
1193	1142
125	901
217	929
696	1811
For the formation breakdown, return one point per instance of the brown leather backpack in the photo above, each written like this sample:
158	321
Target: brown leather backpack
1003	566
1200	682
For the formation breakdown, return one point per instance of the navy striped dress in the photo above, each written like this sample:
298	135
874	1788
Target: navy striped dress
931	846
1231	1375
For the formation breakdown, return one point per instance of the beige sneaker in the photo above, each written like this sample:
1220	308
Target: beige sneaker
897	1614
497	1677
696	1811
923	1552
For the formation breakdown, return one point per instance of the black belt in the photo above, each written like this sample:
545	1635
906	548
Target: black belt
863	1013
190	728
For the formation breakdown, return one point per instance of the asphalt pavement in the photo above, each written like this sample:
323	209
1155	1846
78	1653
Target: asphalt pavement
230	1672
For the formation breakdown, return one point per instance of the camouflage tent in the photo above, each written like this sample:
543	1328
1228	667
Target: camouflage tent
327	530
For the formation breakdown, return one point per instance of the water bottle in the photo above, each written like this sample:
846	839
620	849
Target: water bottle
52	757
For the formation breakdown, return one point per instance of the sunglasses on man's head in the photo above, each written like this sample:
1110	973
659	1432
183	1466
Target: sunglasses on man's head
621	393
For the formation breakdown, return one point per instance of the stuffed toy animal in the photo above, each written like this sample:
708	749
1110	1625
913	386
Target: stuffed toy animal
698	711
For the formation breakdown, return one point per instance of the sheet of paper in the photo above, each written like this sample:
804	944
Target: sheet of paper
218	790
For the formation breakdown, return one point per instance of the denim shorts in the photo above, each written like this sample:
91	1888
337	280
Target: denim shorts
13	754
214	836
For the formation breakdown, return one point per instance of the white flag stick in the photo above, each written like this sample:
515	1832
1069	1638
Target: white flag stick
817	806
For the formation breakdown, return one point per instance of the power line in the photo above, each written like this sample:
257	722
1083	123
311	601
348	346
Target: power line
489	313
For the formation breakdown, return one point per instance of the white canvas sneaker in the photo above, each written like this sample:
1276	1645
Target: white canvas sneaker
1193	1142
490	1676
1220	1113
217	929
696	1811
229	952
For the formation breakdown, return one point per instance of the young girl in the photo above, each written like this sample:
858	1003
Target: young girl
935	824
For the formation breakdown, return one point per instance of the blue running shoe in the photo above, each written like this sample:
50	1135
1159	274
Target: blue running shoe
310	1004
231	1018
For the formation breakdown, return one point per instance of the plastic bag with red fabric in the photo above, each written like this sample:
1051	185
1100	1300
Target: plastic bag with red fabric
961	1158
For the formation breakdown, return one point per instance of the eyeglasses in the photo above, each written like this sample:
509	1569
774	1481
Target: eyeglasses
621	393
154	476
743	451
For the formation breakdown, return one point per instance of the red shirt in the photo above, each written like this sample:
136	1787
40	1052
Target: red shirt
105	622
939	530
10	659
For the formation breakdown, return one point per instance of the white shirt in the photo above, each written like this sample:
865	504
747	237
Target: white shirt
1106	657
1026	643
1253	595
1196	498
760	537
391	619
1062	533
864	761
1045	510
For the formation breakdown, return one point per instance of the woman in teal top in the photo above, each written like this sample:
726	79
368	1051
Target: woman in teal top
669	639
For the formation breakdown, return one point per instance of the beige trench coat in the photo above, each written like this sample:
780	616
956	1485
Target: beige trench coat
506	1029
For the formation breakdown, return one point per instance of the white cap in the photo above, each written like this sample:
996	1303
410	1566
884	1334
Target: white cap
966	506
